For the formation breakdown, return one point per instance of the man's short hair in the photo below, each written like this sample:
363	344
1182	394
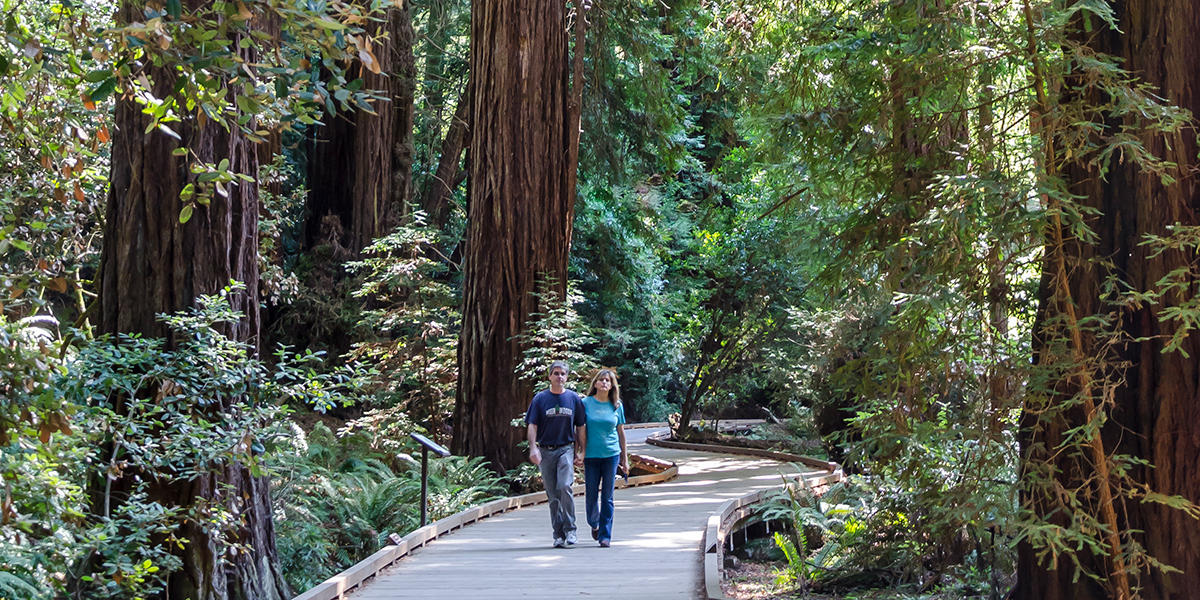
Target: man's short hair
556	364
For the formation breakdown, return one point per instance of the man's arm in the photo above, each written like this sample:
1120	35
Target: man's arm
535	455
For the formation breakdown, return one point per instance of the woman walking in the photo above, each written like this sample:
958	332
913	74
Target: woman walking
604	453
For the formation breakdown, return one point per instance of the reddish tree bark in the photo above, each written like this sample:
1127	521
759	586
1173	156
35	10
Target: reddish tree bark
360	170
519	226
1155	411
436	202
151	264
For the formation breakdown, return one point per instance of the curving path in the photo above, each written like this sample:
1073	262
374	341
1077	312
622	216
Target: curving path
656	553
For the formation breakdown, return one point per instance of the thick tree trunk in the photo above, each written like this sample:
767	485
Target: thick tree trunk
151	264
1155	412
360	168
518	231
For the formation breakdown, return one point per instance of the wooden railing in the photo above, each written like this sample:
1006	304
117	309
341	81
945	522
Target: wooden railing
337	586
734	512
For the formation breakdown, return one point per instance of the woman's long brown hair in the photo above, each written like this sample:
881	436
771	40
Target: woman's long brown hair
614	395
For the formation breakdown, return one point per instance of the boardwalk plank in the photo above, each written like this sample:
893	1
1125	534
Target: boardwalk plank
655	554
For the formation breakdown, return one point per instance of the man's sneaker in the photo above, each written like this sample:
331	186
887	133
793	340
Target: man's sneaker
595	533
571	539
605	543
558	542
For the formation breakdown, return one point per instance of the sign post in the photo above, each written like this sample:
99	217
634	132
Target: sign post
426	445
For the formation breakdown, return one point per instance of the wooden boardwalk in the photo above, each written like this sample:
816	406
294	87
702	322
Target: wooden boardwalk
655	553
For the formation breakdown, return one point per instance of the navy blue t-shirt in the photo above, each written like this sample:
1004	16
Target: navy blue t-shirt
556	416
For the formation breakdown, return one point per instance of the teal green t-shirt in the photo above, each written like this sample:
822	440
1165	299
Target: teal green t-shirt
602	421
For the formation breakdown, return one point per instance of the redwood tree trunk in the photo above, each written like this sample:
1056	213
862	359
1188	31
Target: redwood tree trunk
1156	407
404	75
519	229
436	202
150	264
360	169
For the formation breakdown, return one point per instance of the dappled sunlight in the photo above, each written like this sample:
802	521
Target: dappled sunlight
657	532
723	464
683	540
685	501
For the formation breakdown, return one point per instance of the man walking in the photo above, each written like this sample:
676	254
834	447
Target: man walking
556	441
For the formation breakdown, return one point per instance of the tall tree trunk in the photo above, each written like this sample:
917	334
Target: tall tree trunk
361	162
519	229
437	39
436	202
151	264
404	75
1155	399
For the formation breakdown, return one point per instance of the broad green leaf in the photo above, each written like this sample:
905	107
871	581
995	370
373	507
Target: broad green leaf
330	24
97	75
102	91
186	213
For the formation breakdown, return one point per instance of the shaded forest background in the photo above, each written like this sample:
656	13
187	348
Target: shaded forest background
248	246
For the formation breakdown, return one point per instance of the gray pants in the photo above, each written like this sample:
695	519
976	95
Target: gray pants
558	473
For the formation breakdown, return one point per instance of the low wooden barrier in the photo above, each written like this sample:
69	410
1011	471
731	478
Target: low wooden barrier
337	586
733	512
662	439
725	520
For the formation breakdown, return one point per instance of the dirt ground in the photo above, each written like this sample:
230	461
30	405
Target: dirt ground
753	580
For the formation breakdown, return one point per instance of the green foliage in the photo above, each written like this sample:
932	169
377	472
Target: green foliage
77	419
281	211
838	208
336	501
556	332
54	155
409	331
745	279
851	537
620	248
899	132
63	64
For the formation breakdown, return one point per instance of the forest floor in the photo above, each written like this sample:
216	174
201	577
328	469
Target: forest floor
765	436
758	580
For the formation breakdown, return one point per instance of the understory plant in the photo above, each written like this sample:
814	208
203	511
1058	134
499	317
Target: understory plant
336	501
75	419
851	537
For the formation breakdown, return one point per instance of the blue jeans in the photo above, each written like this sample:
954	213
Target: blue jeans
599	475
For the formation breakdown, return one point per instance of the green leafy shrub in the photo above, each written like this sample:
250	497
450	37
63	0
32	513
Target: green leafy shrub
336	500
409	332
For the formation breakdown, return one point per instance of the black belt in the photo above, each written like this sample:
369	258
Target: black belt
553	447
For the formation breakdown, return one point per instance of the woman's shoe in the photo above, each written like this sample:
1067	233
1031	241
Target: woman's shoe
595	533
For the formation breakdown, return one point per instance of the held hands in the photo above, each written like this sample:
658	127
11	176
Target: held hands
578	457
